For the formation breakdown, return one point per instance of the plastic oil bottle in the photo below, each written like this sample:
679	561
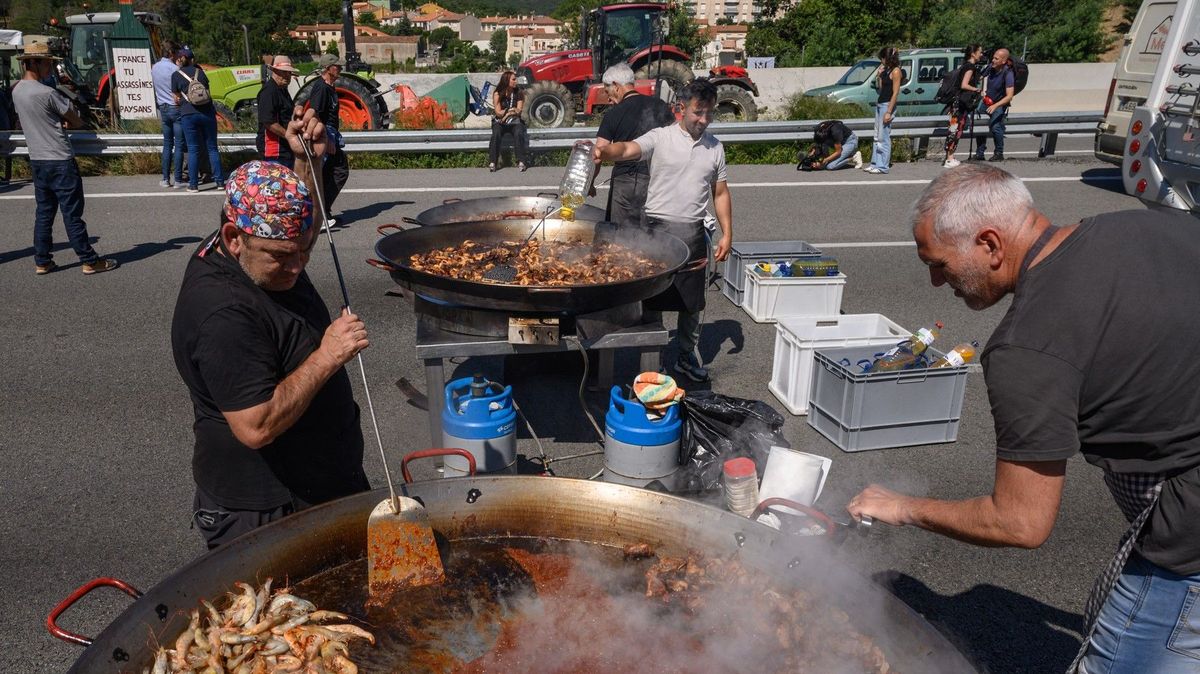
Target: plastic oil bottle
958	356
577	179
905	353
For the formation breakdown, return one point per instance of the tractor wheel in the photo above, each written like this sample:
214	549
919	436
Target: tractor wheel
549	105
357	107
226	120
735	104
674	73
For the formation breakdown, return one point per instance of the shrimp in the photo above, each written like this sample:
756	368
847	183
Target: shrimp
299	605
354	631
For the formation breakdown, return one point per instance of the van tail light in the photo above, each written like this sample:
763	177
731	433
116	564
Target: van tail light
1112	89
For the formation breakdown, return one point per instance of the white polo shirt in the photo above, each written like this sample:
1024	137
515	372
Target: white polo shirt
682	172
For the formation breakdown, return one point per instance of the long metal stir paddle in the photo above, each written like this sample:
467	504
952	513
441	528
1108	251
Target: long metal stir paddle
401	549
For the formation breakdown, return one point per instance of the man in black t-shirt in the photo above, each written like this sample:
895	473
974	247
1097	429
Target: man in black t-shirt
276	428
1092	357
630	118
275	111
324	100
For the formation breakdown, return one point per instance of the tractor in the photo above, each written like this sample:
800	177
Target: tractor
564	85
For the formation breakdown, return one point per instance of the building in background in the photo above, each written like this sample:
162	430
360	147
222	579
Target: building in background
379	49
739	11
530	42
726	45
324	33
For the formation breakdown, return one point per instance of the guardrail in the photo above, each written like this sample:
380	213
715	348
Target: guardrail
1047	125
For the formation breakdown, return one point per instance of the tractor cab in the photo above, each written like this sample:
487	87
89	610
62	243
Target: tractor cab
617	33
89	51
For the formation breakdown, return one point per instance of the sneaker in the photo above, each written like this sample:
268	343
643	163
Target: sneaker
98	266
874	170
689	366
996	156
42	269
868	167
951	163
521	165
492	168
178	185
858	162
193	188
164	183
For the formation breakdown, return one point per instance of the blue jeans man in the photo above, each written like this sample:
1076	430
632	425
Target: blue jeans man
996	129
57	185
173	147
200	131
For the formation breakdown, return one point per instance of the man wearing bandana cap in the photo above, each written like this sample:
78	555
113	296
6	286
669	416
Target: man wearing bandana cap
277	428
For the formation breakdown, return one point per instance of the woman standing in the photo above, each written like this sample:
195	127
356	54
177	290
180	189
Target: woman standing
507	104
888	83
964	104
199	119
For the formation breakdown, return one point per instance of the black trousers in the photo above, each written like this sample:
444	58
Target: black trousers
520	140
627	198
333	178
219	524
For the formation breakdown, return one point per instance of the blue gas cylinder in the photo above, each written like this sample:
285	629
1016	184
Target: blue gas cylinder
479	417
637	448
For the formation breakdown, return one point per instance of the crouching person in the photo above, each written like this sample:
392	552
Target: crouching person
835	146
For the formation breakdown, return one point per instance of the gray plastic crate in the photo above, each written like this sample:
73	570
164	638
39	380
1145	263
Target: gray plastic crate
744	252
859	411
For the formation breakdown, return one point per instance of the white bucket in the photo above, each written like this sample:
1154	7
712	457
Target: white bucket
793	475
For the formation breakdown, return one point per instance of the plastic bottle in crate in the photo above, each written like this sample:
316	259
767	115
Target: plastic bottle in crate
958	356
905	353
576	179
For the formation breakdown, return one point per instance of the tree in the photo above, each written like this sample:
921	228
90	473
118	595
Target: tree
514	59
498	45
442	36
368	19
332	48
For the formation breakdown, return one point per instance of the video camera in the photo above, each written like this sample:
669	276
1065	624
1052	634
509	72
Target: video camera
808	162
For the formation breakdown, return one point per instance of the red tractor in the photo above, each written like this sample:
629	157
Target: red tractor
564	84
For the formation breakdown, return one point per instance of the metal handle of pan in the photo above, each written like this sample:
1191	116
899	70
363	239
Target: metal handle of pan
391	225
549	290
451	200
694	266
411	220
71	637
380	264
430	453
552	195
825	520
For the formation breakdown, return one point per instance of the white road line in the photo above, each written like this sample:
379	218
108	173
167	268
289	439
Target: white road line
865	244
546	188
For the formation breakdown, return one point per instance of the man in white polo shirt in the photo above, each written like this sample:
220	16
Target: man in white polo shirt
687	175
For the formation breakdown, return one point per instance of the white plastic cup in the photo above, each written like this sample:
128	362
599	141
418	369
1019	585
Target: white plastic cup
793	475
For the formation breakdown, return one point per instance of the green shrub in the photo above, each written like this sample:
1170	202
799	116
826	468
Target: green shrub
801	107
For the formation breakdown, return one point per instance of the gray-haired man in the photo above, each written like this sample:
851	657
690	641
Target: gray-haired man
1086	360
633	115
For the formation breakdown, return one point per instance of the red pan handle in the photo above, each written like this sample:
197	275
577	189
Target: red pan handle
694	266
429	453
825	520
391	225
451	200
380	264
71	637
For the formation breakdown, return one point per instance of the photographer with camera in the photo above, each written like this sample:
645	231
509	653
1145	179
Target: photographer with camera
998	94
834	146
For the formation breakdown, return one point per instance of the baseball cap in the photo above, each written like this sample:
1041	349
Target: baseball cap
328	60
268	200
185	51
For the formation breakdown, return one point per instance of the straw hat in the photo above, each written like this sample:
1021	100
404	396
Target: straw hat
36	47
283	63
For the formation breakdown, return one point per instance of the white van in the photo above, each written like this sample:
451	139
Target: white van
1134	72
1162	156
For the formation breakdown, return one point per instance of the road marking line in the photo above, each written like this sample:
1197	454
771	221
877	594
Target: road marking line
529	188
865	244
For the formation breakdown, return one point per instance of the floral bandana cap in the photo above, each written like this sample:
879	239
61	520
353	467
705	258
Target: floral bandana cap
268	200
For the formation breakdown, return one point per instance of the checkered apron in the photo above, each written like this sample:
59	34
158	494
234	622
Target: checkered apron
1136	495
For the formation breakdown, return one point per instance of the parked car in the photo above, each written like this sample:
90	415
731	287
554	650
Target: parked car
1132	76
922	71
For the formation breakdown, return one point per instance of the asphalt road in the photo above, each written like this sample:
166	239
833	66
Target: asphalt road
97	442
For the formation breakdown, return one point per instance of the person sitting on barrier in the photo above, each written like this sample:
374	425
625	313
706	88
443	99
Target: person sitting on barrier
507	104
834	146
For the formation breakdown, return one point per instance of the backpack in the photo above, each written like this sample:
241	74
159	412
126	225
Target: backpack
951	85
1020	74
197	93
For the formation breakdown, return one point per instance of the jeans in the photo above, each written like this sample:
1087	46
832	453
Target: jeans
849	148
520	140
1150	623
172	131
881	155
58	185
201	131
995	127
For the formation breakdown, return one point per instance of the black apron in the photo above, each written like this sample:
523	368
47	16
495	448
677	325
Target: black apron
687	290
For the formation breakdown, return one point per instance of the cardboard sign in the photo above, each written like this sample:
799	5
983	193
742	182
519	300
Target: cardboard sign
135	86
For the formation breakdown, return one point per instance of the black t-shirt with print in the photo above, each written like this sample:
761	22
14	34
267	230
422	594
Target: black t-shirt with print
1097	355
634	116
233	343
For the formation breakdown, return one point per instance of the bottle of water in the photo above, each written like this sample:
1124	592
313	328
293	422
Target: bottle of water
905	353
958	356
577	179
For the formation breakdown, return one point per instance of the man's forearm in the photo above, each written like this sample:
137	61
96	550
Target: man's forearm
975	520
267	421
626	151
724	208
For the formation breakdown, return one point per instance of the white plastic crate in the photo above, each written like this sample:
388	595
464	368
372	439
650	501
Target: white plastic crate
796	337
733	283
769	298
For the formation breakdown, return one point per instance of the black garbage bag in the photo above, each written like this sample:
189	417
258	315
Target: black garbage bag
717	428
